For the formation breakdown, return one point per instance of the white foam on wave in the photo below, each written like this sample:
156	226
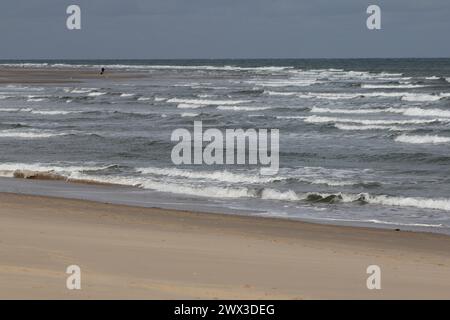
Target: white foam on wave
322	176
223	176
206	96
16	110
425	139
96	94
189	114
80	91
422	203
320	119
190	106
413	111
421	97
276	93
80	172
420	112
127	95
242	108
391	86
405	96
168	187
29	134
35	99
8	169
384	200
41	112
144	99
225	192
207	102
53	112
347	127
291	117
293	82
345	111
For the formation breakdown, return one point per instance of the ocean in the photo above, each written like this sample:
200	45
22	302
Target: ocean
362	141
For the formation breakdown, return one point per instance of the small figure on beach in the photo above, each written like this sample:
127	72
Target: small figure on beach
103	71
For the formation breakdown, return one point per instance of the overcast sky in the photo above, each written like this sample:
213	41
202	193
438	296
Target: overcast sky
167	29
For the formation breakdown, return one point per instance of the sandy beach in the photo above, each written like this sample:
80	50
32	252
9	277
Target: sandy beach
130	252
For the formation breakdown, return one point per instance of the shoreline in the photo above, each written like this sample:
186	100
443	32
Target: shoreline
143	253
32	183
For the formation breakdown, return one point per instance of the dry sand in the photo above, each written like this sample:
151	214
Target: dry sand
129	252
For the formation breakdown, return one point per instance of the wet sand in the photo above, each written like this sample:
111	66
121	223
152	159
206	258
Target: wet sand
28	75
130	252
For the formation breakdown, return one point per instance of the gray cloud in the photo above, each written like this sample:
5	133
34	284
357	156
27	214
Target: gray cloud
223	29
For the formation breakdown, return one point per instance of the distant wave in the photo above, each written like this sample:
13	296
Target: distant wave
426	139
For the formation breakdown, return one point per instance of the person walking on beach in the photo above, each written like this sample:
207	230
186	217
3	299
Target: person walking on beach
103	71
